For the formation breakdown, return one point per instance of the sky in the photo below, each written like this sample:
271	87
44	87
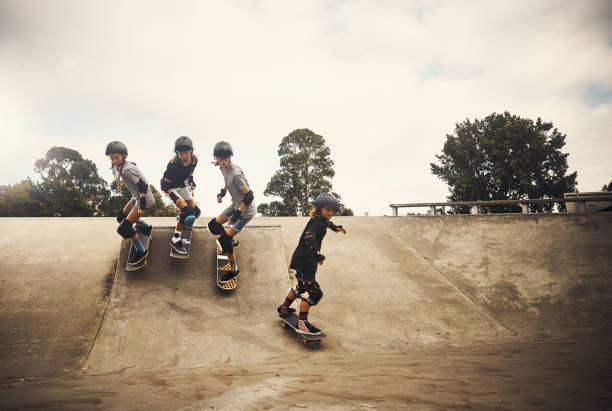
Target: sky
383	82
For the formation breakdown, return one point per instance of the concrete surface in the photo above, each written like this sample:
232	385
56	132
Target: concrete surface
504	312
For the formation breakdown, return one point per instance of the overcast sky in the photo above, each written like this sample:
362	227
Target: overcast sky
382	81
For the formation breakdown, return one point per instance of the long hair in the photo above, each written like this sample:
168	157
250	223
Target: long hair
316	212
117	174
176	158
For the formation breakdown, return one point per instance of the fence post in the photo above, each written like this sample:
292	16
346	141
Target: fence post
524	209
474	209
394	211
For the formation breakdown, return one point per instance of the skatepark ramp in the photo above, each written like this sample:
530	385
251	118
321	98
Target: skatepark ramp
393	286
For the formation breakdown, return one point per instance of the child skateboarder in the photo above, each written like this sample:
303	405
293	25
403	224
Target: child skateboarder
179	174
305	259
127	173
241	210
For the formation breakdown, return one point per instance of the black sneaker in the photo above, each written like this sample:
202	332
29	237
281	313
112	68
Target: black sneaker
304	327
284	311
136	258
230	274
178	246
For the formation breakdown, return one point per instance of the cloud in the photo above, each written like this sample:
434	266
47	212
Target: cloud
383	82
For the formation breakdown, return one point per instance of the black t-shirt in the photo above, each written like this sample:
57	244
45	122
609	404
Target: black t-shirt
304	259
177	173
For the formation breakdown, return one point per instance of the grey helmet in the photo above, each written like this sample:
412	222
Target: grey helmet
116	147
327	200
183	143
223	149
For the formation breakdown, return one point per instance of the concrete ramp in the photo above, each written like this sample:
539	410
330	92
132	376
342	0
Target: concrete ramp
543	276
172	314
437	312
55	279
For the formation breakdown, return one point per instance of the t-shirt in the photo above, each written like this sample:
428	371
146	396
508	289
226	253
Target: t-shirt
177	173
235	181
131	175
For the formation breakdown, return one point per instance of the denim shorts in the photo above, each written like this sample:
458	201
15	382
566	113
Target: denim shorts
229	211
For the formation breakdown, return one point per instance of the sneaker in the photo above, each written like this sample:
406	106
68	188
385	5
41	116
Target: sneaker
178	246
231	274
304	327
136	258
283	311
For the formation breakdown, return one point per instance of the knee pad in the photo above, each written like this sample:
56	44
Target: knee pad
226	243
314	293
187	213
197	212
215	227
125	229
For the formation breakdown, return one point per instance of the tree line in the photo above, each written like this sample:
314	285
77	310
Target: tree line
70	185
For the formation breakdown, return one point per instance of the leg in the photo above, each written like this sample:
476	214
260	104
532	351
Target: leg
230	232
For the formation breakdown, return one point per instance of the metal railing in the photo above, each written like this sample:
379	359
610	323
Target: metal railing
581	200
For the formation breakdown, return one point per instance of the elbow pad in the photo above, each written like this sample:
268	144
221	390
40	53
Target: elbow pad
142	186
248	198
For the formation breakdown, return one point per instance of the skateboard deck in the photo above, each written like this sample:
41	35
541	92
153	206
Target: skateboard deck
186	239
223	265
145	239
291	321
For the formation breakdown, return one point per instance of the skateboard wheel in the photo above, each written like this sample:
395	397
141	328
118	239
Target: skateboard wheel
284	325
305	341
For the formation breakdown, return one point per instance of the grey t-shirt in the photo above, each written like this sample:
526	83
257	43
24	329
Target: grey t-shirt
235	181
130	174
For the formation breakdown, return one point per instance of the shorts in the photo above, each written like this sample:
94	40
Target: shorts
304	277
150	202
182	192
242	221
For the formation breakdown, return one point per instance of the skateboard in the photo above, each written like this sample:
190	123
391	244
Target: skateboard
223	264
291	321
186	239
145	238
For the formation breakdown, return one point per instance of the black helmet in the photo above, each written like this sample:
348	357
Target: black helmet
327	200
116	147
183	143
223	149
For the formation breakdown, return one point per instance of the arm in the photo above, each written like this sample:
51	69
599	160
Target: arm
246	201
336	228
143	187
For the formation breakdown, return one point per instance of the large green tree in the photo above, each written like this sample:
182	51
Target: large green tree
505	157
71	185
306	170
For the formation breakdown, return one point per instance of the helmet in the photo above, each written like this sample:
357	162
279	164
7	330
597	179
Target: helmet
116	147
183	143
223	149
327	200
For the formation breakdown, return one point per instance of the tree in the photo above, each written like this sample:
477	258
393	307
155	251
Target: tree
18	201
505	157
607	187
305	172
63	171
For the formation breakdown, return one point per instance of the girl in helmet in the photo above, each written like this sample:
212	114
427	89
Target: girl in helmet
241	210
126	173
305	259
179	174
